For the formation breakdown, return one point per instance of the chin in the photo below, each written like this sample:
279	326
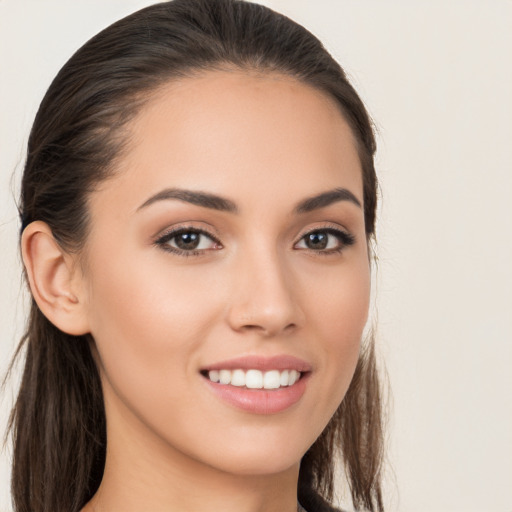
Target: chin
261	465
259	458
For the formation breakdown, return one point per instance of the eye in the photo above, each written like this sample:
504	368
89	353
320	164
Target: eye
327	240
188	241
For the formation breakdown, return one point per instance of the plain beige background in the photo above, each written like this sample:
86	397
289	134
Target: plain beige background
436	77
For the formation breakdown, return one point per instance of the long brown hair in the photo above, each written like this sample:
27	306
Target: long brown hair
58	421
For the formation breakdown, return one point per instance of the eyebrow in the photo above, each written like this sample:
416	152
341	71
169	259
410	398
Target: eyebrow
203	199
325	199
215	202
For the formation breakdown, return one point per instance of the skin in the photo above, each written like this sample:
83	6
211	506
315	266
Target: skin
266	143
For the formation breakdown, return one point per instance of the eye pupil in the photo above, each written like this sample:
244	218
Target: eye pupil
188	240
317	240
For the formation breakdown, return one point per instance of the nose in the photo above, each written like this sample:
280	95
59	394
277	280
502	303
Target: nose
265	298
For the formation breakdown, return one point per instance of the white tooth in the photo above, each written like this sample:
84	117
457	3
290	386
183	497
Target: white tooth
271	379
254	379
225	376
213	375
293	377
283	378
238	378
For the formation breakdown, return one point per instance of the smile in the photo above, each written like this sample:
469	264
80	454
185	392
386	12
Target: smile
259	385
255	379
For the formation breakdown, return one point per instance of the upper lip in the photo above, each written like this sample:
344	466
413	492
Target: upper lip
249	362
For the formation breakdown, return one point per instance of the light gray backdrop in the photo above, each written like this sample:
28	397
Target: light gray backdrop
436	77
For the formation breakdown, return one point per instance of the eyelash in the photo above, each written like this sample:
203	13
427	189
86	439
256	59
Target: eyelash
344	238
162	241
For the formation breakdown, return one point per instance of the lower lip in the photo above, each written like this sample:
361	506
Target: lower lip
260	401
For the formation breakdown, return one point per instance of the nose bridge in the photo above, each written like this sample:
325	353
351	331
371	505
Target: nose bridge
263	297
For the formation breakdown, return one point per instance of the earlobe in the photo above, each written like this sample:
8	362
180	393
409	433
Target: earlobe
52	279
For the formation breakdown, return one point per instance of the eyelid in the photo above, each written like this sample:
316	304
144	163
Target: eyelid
319	226
190	224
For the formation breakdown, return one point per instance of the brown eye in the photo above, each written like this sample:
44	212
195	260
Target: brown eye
187	241
325	240
317	240
192	241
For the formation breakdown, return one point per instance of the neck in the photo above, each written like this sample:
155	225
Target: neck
136	485
144	473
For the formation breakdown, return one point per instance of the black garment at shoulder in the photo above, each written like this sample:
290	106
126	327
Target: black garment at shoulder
311	501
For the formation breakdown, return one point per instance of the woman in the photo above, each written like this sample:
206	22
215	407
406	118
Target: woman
197	205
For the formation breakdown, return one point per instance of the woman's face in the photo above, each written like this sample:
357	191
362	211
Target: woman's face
229	246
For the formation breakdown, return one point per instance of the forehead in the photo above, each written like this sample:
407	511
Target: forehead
238	133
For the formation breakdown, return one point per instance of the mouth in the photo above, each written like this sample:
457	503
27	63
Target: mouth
259	385
254	378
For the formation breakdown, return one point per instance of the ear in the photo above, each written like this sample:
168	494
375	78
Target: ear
54	278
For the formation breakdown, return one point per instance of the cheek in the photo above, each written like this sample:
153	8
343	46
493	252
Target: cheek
338	304
144	296
147	322
338	315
